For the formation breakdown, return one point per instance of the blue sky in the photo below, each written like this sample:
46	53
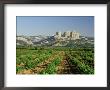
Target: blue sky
48	25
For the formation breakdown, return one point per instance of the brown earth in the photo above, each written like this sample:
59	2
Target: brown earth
41	66
63	67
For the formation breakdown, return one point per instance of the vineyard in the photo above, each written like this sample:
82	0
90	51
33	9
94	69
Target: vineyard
54	60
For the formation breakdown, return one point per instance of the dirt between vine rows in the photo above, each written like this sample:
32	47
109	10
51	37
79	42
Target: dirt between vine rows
63	67
41	66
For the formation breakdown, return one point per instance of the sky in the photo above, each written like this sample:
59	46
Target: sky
49	25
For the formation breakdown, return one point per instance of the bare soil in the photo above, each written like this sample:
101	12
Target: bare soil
63	67
41	66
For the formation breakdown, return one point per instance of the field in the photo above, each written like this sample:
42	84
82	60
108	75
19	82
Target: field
54	60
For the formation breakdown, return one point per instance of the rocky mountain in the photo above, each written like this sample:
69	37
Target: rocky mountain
22	40
52	41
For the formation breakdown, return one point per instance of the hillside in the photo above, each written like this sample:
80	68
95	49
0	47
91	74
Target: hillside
52	41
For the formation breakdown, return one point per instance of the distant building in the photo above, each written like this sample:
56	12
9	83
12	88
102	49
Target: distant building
58	34
67	35
74	35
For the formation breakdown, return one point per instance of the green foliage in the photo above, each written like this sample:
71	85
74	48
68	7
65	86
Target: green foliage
83	60
51	68
19	68
30	57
